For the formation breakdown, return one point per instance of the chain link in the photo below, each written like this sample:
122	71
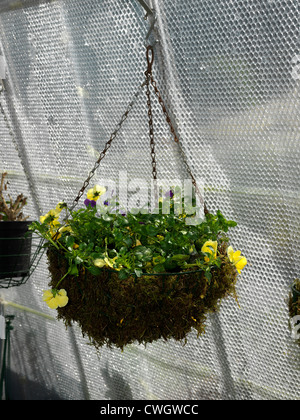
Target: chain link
176	139
149	81
107	146
148	74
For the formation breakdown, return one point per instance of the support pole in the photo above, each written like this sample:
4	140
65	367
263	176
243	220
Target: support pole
146	7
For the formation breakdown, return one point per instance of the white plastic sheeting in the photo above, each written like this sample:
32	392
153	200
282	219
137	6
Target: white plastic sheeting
229	71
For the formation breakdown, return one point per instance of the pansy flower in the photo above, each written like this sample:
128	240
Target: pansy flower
237	259
210	247
55	298
94	193
91	203
106	262
169	194
52	215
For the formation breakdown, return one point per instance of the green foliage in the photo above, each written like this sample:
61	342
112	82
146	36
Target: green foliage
134	243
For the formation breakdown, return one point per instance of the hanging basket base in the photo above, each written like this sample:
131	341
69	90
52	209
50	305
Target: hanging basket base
116	312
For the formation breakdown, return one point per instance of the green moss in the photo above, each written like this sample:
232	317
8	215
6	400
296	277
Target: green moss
116	312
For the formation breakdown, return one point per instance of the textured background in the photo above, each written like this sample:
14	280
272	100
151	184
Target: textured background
229	71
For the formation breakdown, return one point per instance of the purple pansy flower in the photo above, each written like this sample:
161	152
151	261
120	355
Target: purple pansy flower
169	194
106	203
91	203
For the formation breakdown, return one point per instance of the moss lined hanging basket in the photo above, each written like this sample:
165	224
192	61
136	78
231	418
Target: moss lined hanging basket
136	276
117	312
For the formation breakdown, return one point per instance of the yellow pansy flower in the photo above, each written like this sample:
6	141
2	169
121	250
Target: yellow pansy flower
65	229
53	214
237	259
108	262
99	263
94	193
210	247
55	298
61	205
54	234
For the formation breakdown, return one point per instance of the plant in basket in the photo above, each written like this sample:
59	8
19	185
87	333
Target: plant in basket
137	276
15	239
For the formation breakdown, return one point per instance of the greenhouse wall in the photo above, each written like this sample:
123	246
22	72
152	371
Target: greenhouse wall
229	72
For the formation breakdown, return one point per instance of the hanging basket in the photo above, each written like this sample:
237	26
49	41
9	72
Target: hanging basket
116	312
126	278
19	249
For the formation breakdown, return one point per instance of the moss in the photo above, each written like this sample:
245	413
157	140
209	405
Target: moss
116	312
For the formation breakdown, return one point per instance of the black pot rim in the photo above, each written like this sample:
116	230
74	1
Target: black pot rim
295	290
16	221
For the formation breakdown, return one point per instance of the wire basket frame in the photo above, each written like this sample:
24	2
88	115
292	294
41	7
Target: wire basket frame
17	278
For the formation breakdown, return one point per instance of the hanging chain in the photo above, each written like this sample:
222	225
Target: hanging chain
162	104
149	80
107	146
148	74
173	131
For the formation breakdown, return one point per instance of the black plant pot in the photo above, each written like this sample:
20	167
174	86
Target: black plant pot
15	249
296	293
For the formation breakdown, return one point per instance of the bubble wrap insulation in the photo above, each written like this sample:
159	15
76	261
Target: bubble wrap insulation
229	72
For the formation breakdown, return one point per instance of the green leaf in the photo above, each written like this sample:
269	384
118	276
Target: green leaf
78	260
208	275
158	260
74	270
159	268
170	264
96	271
123	274
151	230
106	217
128	241
143	253
180	257
138	273
70	241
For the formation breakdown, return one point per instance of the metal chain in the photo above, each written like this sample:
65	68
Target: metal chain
107	146
176	138
148	74
162	104
149	80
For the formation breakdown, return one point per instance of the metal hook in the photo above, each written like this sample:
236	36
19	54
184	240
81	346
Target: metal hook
150	59
153	21
152	17
146	7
